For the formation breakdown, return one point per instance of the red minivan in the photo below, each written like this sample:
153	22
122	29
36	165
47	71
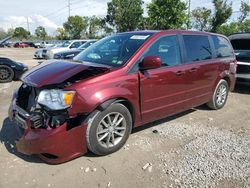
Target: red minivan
65	108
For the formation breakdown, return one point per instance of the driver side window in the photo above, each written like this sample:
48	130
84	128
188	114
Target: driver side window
167	48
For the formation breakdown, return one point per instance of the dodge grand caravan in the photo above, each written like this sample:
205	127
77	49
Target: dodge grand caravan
65	108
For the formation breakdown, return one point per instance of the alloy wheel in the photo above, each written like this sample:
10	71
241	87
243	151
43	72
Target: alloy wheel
4	74
111	129
221	95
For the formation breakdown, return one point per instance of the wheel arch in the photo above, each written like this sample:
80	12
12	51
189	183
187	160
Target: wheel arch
227	78
104	105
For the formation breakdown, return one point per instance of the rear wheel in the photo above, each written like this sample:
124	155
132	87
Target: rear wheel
220	95
6	74
109	129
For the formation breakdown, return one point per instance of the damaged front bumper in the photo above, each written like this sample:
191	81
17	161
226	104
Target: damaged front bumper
53	145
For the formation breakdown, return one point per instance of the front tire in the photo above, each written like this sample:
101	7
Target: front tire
219	96
6	74
109	130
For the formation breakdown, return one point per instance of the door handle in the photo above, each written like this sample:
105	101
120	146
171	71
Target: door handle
180	73
193	70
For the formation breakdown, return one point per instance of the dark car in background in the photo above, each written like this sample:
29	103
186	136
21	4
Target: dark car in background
241	45
70	54
10	70
31	44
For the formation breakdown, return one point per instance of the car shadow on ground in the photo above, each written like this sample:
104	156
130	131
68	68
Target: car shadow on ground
8	136
161	121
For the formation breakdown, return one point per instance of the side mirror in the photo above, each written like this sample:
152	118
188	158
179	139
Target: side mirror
150	62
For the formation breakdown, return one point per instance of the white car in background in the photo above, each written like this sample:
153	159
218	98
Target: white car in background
42	53
67	45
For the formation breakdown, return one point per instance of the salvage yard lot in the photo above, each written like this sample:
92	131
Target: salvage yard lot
197	148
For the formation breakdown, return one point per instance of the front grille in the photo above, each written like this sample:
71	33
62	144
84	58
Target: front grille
37	121
243	69
44	51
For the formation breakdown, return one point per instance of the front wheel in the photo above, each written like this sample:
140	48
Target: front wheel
220	95
6	74
109	129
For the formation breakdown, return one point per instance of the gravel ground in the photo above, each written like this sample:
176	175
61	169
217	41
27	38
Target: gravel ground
197	148
209	156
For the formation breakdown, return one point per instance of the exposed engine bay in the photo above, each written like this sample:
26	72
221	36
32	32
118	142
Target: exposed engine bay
41	117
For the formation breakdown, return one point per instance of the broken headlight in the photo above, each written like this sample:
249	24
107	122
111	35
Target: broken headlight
56	99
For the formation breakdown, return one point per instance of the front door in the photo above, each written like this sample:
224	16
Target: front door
163	90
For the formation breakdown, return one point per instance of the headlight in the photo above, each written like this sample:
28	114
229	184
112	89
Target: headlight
56	99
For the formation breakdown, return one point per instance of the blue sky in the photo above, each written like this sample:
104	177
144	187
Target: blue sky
52	13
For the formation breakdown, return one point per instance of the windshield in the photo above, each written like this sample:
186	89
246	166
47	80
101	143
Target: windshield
64	44
86	45
115	50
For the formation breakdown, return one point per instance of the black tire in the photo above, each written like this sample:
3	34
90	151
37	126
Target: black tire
94	125
214	102
6	74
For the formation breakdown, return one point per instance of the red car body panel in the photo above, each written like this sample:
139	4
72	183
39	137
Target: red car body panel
54	72
153	94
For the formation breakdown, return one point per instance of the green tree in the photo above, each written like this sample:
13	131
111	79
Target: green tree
61	34
21	33
245	26
124	15
244	9
228	29
94	25
3	34
41	32
75	26
167	14
223	11
10	32
105	27
201	18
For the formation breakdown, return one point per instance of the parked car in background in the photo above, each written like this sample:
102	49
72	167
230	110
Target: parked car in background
31	44
37	44
241	45
71	44
42	53
10	70
70	54
38	54
66	107
46	44
21	45
4	41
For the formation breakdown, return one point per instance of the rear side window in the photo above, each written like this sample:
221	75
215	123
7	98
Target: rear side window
197	48
222	47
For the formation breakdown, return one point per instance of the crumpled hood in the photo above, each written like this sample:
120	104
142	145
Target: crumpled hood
56	72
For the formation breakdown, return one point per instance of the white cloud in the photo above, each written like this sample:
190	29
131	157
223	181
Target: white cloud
45	22
36	20
14	21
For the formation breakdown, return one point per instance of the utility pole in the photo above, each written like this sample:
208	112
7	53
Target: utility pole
69	7
189	13
28	24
